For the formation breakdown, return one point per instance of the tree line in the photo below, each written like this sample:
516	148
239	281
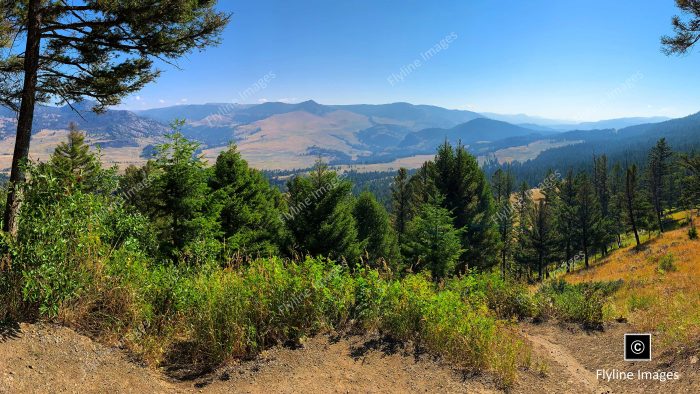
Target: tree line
585	213
447	218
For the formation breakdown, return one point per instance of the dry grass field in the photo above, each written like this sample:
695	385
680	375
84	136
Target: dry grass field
529	151
45	141
661	291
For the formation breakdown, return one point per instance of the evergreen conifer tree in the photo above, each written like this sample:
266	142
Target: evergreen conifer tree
587	214
320	218
74	164
374	231
187	219
251	215
432	241
467	195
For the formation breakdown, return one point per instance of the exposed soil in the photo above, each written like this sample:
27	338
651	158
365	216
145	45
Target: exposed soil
48	358
37	358
582	353
348	364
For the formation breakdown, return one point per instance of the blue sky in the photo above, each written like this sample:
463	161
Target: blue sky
574	60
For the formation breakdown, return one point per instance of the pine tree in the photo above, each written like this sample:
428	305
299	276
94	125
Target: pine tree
542	236
657	175
74	164
617	202
566	218
467	195
103	50
422	185
587	214
251	213
320	218
187	220
522	251
402	203
632	201
503	185
691	192
432	241
601	185
374	231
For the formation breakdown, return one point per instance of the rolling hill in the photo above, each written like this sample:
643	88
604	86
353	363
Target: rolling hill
479	130
277	135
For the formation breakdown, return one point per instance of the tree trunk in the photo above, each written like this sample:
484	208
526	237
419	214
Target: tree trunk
26	116
629	196
658	216
503	262
636	233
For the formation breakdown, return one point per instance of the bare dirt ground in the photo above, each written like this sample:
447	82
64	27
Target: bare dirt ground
38	358
581	353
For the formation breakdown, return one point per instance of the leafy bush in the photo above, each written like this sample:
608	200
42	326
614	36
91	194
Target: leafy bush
693	232
506	298
580	303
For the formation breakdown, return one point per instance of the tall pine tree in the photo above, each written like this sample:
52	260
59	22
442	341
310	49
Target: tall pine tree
183	210
658	168
374	231
319	216
251	212
503	185
587	214
542	236
402	201
467	196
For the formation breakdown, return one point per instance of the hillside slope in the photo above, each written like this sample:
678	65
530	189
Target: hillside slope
661	291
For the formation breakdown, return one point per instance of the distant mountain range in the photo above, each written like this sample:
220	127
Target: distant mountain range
538	123
113	127
282	135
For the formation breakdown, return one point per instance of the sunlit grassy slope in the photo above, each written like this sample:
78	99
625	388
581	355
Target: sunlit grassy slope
661	291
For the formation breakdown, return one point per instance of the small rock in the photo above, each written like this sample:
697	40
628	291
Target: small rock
694	359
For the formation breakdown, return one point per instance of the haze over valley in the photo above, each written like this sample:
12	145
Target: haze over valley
283	136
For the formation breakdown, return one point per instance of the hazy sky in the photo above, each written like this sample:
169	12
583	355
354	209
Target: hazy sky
576	60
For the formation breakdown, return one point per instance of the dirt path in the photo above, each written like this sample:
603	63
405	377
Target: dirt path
581	353
578	373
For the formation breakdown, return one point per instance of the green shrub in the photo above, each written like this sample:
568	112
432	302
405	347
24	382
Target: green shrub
580	303
666	264
235	313
370	293
506	298
402	309
693	232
